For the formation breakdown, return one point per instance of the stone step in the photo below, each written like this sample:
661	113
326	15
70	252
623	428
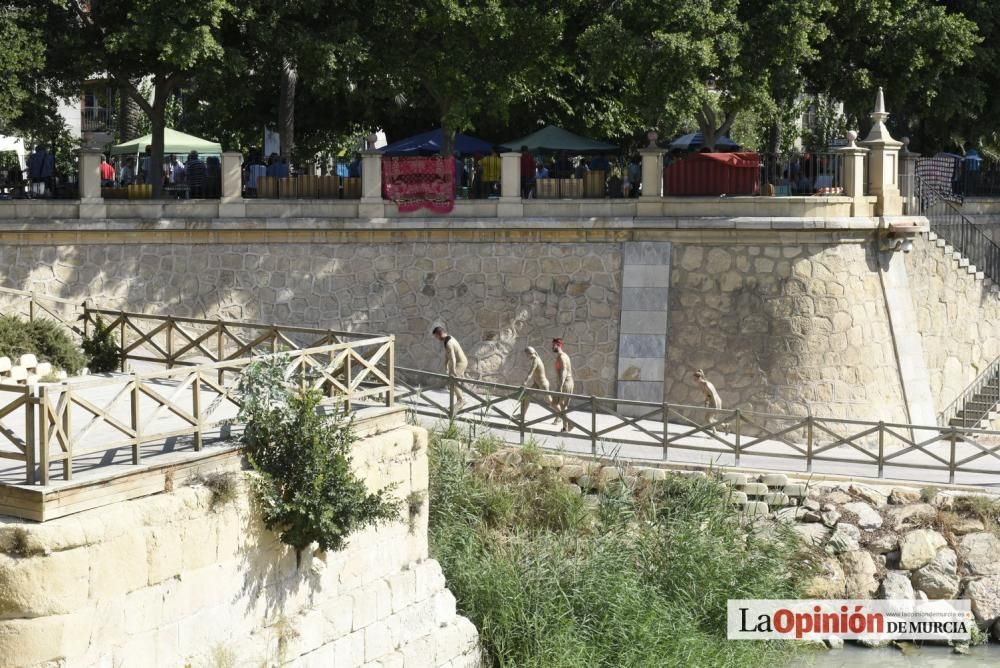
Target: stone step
932	236
755	489
734	479
756	509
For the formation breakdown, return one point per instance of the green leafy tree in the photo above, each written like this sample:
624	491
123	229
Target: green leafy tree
706	60
305	487
912	48
471	60
20	60
134	40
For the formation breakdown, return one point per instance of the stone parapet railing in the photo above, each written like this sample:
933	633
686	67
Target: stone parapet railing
672	207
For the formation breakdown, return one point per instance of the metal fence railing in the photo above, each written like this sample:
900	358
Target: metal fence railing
947	221
976	401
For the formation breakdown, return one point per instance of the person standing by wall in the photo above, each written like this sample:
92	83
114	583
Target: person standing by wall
536	377
527	172
564	383
712	399
107	173
455	363
195	171
41	168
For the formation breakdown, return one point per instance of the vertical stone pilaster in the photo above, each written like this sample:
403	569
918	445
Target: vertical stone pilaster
231	204
642	339
371	205
853	176
652	172
510	205
907	179
91	202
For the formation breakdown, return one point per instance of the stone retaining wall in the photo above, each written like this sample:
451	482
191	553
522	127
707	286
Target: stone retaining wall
958	315
787	328
169	581
783	315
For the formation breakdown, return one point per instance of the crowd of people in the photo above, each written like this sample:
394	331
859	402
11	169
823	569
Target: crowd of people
193	177
480	175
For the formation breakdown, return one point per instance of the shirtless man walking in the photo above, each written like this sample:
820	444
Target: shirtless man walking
712	399
455	365
536	377
564	382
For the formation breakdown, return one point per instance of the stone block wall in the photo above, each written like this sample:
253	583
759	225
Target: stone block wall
958	317
169	581
496	298
787	328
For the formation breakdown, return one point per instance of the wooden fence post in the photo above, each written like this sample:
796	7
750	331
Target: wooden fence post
739	420
196	408
136	449
593	424
43	432
29	437
666	429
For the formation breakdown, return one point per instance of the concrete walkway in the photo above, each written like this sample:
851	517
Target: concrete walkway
637	444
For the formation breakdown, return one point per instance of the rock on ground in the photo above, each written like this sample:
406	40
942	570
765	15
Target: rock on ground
859	572
900	496
830	583
812	534
896	586
845	538
980	553
939	577
984	595
872	496
901	517
868	517
918	547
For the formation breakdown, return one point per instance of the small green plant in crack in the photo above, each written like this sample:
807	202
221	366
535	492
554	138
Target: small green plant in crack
224	485
19	544
415	503
927	494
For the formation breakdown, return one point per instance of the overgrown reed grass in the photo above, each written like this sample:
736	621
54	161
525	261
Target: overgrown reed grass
640	580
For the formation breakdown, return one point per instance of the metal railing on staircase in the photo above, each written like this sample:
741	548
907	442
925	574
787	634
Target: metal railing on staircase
976	401
951	224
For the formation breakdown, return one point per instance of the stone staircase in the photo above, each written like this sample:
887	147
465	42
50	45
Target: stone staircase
961	262
763	494
980	409
977	406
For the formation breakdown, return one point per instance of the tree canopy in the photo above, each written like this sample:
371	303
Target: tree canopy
326	71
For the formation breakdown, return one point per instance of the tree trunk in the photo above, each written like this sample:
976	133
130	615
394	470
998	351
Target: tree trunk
447	139
711	132
157	120
286	108
773	138
128	116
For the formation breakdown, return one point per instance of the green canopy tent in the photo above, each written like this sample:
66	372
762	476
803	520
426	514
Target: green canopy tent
551	138
174	142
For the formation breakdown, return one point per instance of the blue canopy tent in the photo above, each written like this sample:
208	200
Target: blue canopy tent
429	143
695	140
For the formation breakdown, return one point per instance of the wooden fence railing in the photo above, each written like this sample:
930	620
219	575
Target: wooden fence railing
178	341
63	422
32	305
873	447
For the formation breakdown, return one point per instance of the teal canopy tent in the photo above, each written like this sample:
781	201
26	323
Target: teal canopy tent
551	138
173	142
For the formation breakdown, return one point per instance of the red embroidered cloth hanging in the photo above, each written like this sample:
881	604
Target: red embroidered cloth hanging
416	182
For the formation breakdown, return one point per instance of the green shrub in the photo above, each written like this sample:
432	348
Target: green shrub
14	338
101	348
631	583
47	339
305	489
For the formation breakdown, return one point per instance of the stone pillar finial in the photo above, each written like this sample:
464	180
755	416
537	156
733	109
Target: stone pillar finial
883	166
852	139
879	107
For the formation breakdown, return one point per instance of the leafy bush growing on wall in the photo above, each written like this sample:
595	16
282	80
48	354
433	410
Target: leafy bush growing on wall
101	348
305	489
47	339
